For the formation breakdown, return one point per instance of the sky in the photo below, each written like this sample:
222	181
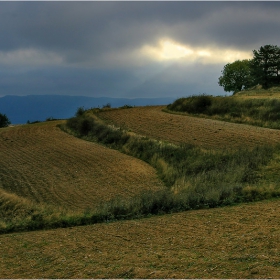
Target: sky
128	49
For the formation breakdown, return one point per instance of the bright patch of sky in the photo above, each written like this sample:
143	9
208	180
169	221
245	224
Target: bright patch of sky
167	49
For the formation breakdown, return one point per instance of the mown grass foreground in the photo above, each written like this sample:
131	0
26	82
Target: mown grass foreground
236	242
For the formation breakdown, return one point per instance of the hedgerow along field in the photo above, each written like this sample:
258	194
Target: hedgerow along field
264	112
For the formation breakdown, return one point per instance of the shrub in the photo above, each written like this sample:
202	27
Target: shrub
261	112
51	119
108	105
126	106
80	111
4	121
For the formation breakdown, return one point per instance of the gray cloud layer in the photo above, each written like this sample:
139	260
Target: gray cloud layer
94	45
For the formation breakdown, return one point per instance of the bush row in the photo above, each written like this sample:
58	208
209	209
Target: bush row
264	112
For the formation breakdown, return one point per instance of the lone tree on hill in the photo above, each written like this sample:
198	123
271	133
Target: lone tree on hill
4	121
236	76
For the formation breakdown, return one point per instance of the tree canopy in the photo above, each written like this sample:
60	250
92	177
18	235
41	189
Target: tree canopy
4	121
266	65
236	76
262	69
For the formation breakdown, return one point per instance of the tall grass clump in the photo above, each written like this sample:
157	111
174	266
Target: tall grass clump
20	214
261	112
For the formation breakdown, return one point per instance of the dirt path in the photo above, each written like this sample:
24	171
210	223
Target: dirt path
44	164
154	123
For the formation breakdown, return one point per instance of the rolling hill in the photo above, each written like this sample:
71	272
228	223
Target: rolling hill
43	166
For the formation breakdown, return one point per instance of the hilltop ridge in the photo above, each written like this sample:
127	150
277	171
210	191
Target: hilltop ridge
259	92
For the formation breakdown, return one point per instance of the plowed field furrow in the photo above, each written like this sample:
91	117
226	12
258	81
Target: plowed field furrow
15	172
44	164
207	133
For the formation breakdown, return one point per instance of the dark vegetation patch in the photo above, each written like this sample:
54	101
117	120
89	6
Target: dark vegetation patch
261	112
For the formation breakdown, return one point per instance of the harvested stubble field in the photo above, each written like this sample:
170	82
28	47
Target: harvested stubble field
232	242
206	133
46	165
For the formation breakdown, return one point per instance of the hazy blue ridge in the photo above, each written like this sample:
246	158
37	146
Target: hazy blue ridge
20	109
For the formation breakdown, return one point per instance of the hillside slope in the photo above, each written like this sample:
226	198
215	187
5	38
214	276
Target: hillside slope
46	165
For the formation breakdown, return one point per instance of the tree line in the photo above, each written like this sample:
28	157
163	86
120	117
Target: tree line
263	69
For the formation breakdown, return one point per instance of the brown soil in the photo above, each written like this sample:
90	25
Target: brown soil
231	242
46	165
206	133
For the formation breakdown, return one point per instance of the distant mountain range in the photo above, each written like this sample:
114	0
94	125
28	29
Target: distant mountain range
20	109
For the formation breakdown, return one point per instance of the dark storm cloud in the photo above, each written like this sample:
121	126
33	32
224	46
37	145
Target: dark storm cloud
92	48
244	25
81	29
